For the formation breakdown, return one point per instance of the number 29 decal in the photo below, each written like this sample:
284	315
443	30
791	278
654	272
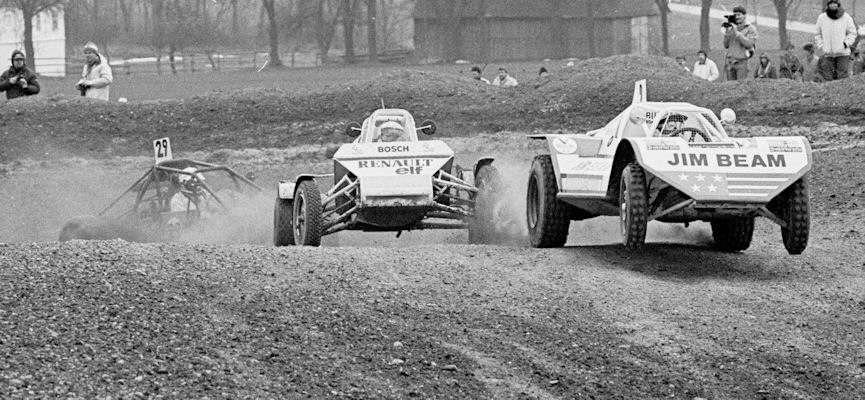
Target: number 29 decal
162	150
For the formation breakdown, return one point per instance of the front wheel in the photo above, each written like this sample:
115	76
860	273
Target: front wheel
796	213
482	227
633	206
307	218
283	232
547	217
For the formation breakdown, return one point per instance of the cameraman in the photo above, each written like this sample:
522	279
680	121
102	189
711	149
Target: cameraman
18	80
740	39
96	75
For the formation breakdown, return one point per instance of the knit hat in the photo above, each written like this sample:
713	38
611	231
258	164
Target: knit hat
91	47
16	53
833	1
476	69
739	9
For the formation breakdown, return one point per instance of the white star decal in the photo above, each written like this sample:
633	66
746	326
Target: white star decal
695	188
683	177
712	188
701	177
717	178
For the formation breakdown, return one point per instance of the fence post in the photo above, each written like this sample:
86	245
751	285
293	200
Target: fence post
192	63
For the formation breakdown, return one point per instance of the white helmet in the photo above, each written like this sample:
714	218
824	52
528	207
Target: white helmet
390	131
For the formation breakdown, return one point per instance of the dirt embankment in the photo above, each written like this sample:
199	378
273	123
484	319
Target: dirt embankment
585	95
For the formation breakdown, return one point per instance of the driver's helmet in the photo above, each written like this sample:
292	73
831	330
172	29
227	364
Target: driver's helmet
671	123
185	180
390	131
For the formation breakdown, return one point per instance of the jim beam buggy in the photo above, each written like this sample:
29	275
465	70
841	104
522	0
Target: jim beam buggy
670	162
171	196
387	180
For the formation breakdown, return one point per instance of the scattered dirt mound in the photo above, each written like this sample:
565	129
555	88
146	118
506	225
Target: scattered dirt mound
587	94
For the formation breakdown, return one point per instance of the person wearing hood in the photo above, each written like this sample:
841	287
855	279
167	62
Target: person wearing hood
18	80
740	40
96	75
765	69
836	34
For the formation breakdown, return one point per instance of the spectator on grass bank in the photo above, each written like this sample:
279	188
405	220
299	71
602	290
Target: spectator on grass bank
740	40
543	73
858	64
18	80
504	80
476	74
705	68
810	67
681	61
96	75
836	33
790	67
765	70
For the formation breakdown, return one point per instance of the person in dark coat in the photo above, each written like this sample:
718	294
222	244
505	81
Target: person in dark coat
18	80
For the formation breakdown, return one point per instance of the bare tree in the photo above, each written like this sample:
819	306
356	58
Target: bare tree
326	19
274	33
664	8
783	7
348	23
29	9
372	29
704	25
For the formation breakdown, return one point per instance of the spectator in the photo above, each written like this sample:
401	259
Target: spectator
476	73
681	61
810	67
836	33
740	40
504	79
96	75
858	63
705	68
543	73
790	67
18	80
765	69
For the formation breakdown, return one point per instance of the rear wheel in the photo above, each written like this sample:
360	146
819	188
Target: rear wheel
633	206
733	234
283	232
547	217
306	218
796	212
482	227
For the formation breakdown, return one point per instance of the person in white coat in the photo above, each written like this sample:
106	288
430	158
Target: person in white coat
96	77
836	34
705	68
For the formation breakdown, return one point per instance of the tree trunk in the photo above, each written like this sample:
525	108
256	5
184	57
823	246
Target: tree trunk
28	14
782	6
348	29
665	26
372	29
274	33
486	41
590	14
234	21
704	26
453	47
559	43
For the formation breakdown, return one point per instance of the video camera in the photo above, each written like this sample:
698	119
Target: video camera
730	22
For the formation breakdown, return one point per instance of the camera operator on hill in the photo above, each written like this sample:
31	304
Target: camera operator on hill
740	39
18	80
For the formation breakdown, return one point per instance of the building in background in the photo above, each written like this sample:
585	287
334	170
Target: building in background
499	30
49	39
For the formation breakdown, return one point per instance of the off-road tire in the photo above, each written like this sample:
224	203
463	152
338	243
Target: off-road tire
547	217
482	227
796	212
633	206
733	234
283	230
307	214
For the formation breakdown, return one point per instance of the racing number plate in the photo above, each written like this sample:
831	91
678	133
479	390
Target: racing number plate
162	150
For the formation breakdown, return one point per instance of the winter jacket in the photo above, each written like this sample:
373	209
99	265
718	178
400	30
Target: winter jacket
790	66
14	91
97	79
768	71
707	71
740	40
509	81
835	37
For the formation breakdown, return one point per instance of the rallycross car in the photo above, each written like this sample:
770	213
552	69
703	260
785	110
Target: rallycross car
172	195
670	162
388	180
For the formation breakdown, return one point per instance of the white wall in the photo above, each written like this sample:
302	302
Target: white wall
49	40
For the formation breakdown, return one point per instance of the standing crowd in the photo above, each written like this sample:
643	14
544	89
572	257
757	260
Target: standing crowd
836	42
96	77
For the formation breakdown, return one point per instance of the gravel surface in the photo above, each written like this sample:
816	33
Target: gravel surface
425	316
